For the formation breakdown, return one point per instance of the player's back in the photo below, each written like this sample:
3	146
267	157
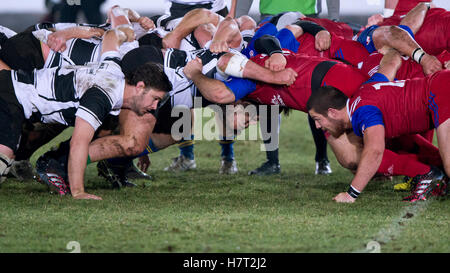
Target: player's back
402	103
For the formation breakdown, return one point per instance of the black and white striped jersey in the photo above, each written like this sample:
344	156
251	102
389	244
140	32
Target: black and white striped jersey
78	51
60	94
184	91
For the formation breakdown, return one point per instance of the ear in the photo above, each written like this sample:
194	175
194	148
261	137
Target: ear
333	113
140	86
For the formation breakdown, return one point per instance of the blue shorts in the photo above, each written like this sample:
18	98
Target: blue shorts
365	38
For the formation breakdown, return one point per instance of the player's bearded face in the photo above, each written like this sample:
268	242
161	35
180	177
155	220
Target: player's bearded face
146	101
336	127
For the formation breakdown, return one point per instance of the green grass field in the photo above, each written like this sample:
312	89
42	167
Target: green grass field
202	211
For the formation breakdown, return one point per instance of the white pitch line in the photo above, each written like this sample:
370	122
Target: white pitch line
385	235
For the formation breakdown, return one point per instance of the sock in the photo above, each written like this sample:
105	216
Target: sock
187	147
319	140
272	156
401	164
227	149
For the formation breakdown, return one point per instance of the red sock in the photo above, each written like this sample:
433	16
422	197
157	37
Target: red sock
396	164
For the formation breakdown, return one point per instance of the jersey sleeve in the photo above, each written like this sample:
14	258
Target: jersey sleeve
240	87
111	56
95	104
365	117
377	77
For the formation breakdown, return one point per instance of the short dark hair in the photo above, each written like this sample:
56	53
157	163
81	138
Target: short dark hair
151	39
153	76
326	97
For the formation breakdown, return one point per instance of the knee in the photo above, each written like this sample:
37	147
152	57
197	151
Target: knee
133	146
246	22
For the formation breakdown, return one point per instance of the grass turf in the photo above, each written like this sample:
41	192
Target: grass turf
202	211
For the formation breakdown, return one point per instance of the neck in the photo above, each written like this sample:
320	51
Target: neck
128	93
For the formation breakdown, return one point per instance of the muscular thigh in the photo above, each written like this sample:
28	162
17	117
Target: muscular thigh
138	127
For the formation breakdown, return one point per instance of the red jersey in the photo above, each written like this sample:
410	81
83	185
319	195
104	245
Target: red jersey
348	50
409	69
401	106
404	6
344	77
338	28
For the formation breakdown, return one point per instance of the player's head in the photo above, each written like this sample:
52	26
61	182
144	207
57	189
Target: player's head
149	82
326	106
151	39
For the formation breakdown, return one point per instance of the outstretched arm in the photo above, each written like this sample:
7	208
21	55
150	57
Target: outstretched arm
81	137
371	158
57	40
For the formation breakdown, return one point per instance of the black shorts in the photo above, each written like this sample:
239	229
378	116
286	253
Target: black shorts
164	119
11	113
22	51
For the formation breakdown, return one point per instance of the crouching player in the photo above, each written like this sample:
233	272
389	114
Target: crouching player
382	110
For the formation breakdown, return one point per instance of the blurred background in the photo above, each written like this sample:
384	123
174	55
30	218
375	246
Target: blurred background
19	14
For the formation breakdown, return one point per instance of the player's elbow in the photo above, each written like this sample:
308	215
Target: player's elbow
222	95
223	61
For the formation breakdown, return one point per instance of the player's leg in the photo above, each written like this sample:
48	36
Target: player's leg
415	17
204	33
11	120
226	141
322	162
443	137
270	131
185	160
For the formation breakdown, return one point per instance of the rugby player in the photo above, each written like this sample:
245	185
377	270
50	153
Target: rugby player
383	110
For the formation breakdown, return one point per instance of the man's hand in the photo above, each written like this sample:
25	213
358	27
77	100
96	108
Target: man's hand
276	62
430	64
447	65
285	77
57	41
218	46
374	20
144	163
146	23
323	40
84	195
192	67
344	197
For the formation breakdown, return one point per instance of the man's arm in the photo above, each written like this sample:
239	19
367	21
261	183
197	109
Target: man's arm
57	40
239	66
81	137
213	90
372	154
190	21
